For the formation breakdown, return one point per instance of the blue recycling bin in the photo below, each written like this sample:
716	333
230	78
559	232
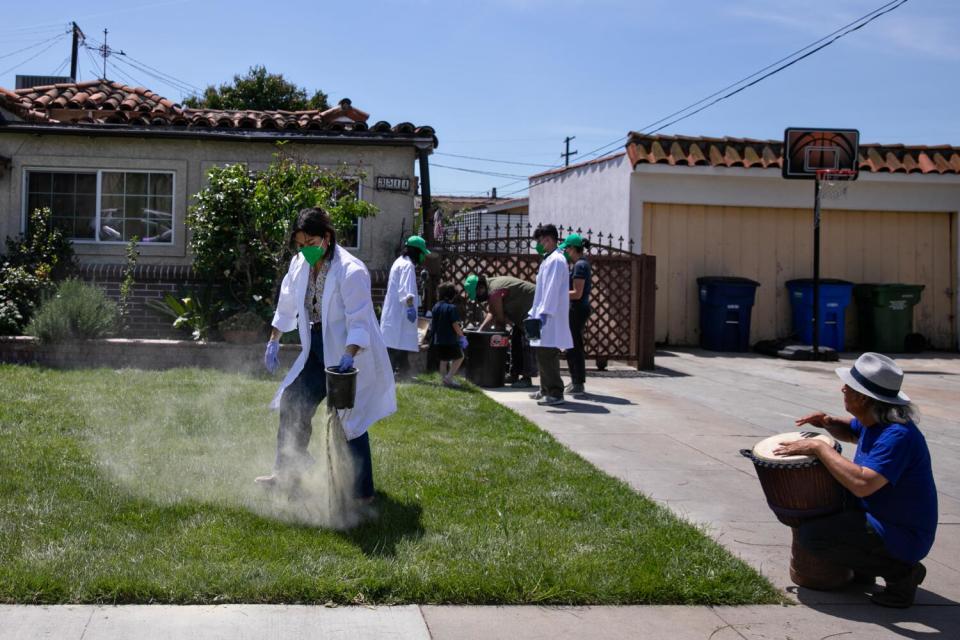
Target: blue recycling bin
835	297
725	307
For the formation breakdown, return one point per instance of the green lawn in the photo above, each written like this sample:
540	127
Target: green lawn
136	486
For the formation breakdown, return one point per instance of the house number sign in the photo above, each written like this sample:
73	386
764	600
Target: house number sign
386	183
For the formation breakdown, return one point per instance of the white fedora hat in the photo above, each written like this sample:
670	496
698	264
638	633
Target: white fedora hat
876	376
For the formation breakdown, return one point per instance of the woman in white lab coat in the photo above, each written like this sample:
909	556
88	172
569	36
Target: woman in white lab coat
398	320
326	295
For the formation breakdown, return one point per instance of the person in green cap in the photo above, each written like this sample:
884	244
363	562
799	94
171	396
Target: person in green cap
508	299
398	319
574	247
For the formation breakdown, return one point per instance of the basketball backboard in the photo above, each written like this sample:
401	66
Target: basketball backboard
808	150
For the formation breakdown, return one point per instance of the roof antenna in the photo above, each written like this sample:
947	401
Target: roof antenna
106	52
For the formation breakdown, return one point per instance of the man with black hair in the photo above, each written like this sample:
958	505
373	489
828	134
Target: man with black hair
551	306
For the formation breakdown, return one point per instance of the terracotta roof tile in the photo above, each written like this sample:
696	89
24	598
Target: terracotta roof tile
750	153
108	102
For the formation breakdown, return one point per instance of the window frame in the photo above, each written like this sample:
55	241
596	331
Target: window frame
25	202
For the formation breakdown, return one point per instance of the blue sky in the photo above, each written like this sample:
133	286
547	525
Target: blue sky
509	79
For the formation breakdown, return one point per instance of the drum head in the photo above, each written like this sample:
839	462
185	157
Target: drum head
763	450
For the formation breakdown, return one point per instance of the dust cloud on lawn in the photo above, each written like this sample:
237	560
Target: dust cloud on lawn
207	439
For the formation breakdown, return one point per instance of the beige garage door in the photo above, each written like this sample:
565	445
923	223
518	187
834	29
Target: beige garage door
772	246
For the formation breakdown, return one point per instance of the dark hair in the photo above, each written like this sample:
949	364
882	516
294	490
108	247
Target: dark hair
582	248
447	291
547	230
314	221
413	253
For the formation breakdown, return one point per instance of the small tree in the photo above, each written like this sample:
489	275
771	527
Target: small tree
241	222
261	91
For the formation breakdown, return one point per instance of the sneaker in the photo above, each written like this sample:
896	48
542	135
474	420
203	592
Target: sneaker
522	383
550	401
574	388
451	383
271	480
900	594
536	396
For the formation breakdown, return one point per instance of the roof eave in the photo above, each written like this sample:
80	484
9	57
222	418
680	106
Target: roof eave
175	132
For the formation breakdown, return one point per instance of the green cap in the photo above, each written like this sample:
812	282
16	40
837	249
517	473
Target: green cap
470	286
572	240
419	243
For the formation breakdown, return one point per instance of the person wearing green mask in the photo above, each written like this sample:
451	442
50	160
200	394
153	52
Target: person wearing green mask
326	297
551	306
398	319
574	247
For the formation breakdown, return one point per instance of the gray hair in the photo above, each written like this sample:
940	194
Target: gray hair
886	413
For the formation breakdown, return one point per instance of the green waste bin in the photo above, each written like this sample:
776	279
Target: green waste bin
885	315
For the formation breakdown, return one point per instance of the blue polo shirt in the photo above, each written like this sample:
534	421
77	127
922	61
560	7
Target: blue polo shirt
903	511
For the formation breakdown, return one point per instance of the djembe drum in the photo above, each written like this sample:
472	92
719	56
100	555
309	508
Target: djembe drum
799	488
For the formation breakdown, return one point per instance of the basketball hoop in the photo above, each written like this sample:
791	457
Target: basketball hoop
834	182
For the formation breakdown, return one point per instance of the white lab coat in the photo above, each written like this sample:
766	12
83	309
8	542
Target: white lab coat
347	317
398	332
552	299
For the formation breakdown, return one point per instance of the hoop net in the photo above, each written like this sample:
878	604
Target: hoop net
834	182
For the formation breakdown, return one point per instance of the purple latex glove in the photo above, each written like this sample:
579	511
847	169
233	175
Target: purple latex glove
271	357
346	363
463	342
412	314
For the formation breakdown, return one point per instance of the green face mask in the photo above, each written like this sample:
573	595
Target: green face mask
567	256
540	248
313	254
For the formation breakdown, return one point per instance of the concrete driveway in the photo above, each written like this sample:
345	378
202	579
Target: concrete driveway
675	436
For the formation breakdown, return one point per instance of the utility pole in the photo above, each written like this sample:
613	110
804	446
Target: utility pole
566	154
77	37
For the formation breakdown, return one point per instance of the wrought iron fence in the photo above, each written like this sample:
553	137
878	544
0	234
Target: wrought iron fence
622	295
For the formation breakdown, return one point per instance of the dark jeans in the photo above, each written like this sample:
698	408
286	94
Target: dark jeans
298	405
522	360
551	384
848	540
399	361
575	356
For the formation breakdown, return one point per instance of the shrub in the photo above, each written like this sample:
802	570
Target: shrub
241	221
243	321
31	266
77	311
196	312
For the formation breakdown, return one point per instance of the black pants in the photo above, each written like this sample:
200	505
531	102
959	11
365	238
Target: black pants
575	357
848	540
400	362
298	405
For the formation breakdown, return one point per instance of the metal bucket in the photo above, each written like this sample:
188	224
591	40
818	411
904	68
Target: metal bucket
341	388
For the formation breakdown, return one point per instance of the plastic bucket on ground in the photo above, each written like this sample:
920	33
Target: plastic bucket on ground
486	363
341	388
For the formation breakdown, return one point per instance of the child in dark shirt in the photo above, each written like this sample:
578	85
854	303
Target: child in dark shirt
446	334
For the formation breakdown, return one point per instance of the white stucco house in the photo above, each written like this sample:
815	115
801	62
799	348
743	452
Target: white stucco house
720	206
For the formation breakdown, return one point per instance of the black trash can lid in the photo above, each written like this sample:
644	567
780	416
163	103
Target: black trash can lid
726	280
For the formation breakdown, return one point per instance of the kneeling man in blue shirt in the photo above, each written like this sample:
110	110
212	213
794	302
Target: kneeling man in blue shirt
892	524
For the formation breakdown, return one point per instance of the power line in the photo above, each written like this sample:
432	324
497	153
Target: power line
525	164
36	55
61	66
485	173
820	44
174	78
34	45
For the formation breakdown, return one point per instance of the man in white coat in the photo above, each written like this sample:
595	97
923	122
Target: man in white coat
326	296
551	305
398	320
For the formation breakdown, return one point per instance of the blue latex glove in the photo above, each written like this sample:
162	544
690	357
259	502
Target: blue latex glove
412	314
346	363
463	342
543	321
271	357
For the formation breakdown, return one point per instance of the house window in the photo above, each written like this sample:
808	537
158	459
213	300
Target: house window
106	206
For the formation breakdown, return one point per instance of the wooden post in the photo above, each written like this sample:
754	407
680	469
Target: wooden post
646	337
